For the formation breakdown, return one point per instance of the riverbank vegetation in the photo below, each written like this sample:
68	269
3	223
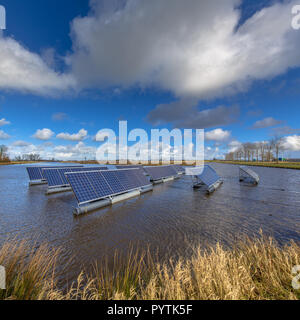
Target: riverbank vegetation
253	269
285	165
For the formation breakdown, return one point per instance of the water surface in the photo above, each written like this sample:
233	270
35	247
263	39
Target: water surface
170	219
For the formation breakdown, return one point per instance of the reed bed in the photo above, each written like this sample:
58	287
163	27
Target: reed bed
256	269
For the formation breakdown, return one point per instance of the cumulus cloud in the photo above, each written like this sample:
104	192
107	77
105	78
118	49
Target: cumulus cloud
185	114
234	145
43	134
21	144
81	135
218	135
74	152
102	135
195	50
4	122
25	71
266	123
4	135
291	143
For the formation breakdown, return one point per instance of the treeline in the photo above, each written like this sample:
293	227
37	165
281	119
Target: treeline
4	157
257	151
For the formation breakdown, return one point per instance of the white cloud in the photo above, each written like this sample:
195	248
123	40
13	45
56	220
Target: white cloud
26	71
193	50
234	145
43	134
4	122
81	135
4	135
266	123
78	151
102	135
21	144
217	135
291	143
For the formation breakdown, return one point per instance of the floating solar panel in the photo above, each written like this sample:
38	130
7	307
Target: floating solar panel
179	169
35	173
160	172
209	178
96	185
248	175
128	166
56	176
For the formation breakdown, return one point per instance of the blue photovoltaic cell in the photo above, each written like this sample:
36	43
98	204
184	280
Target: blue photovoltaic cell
94	185
128	179
99	184
36	173
82	187
209	176
143	180
56	177
160	172
113	181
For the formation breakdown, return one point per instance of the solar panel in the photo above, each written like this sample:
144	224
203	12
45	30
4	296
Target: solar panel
178	168
208	176
160	172
128	166
113	181
82	186
96	185
36	172
56	176
247	173
99	184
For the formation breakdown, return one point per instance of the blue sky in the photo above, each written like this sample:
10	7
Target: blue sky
65	66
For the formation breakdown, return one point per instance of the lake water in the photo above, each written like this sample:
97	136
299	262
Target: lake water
170	219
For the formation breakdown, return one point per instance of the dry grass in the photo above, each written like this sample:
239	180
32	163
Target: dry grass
253	269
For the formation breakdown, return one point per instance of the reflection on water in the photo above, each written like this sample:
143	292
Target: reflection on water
170	219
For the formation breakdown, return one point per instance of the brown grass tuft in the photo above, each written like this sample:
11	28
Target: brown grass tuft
253	269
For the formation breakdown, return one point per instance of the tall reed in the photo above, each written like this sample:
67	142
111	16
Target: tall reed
252	269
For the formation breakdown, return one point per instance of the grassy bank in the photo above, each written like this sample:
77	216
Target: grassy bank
286	165
254	269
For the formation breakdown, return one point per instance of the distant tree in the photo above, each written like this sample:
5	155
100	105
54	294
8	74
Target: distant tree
3	153
277	143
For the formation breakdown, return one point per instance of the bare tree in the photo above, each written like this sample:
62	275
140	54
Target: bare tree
278	146
3	153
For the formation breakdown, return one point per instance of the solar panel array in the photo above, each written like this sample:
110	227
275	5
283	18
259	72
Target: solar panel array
209	176
95	185
36	173
56	176
160	172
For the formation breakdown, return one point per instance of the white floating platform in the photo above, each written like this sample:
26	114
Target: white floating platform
37	182
58	190
110	201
